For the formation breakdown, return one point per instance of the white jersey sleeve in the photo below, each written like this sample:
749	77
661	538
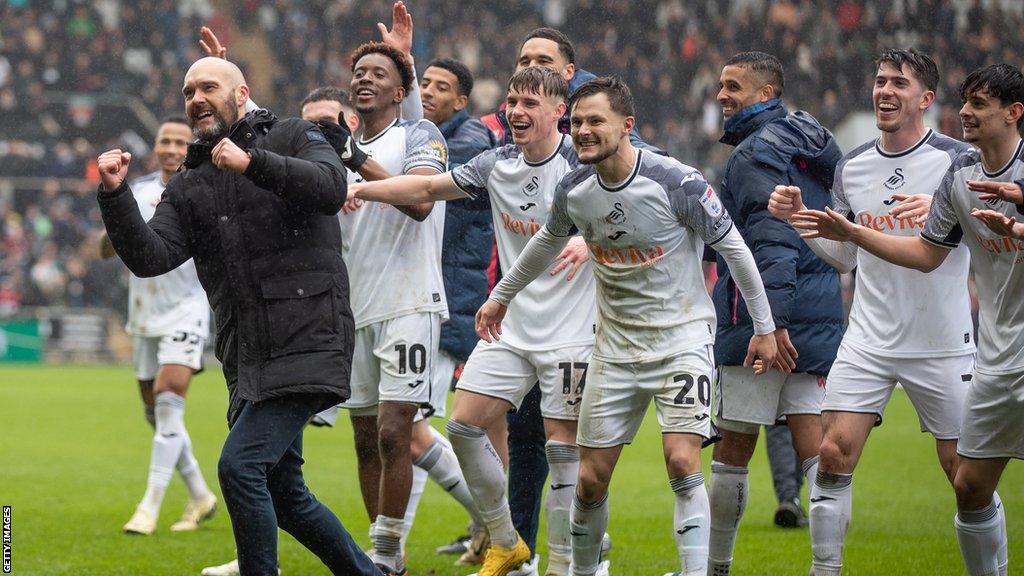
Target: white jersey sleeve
472	176
424	147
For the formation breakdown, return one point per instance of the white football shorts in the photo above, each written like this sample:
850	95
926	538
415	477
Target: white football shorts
502	371
149	353
616	398
747	401
862	381
993	423
393	361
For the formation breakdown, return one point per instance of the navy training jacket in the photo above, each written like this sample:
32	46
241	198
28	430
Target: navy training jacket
776	147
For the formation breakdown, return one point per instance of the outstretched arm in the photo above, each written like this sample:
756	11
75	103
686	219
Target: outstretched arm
786	201
408	189
909	252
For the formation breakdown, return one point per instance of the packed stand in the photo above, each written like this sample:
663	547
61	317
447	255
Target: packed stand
58	60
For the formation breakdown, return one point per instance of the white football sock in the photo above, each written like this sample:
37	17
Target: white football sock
729	493
564	463
443	467
831	501
387	542
1003	558
981	535
692	523
168	441
587	525
485	475
419	482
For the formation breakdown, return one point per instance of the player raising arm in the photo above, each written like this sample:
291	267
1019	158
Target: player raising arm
645	219
993	420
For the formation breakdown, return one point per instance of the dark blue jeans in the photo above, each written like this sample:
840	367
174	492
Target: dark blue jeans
260	474
528	466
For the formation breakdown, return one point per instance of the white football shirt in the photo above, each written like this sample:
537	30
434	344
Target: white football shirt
394	262
899	311
550	313
998	262
171	303
646	238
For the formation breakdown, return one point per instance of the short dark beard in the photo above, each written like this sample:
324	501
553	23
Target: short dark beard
220	127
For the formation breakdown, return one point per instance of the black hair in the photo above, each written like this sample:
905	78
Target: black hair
461	72
619	95
556	36
922	64
175	119
764	65
401	62
328	93
540	81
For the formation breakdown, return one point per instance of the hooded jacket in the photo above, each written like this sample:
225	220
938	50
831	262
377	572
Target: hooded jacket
265	244
468	238
775	147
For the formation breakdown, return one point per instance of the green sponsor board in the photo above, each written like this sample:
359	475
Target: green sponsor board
20	341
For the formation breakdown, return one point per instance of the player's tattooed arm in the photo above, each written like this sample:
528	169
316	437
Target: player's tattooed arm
909	252
1000	223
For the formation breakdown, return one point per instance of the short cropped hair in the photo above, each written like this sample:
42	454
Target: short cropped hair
922	64
558	37
619	95
328	93
461	72
401	62
764	65
540	81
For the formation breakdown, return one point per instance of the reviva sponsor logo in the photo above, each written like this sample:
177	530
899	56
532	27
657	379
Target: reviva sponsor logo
516	226
887	222
627	255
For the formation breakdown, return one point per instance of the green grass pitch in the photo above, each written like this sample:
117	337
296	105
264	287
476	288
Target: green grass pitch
74	451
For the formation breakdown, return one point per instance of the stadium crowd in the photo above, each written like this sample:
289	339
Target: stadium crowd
58	60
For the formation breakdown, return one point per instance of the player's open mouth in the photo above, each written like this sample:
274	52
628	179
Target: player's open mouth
203	115
428	106
886	107
519	126
365	93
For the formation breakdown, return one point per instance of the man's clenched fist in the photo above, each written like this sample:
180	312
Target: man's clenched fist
113	167
226	155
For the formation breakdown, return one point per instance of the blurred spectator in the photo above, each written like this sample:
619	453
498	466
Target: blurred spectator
59	59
